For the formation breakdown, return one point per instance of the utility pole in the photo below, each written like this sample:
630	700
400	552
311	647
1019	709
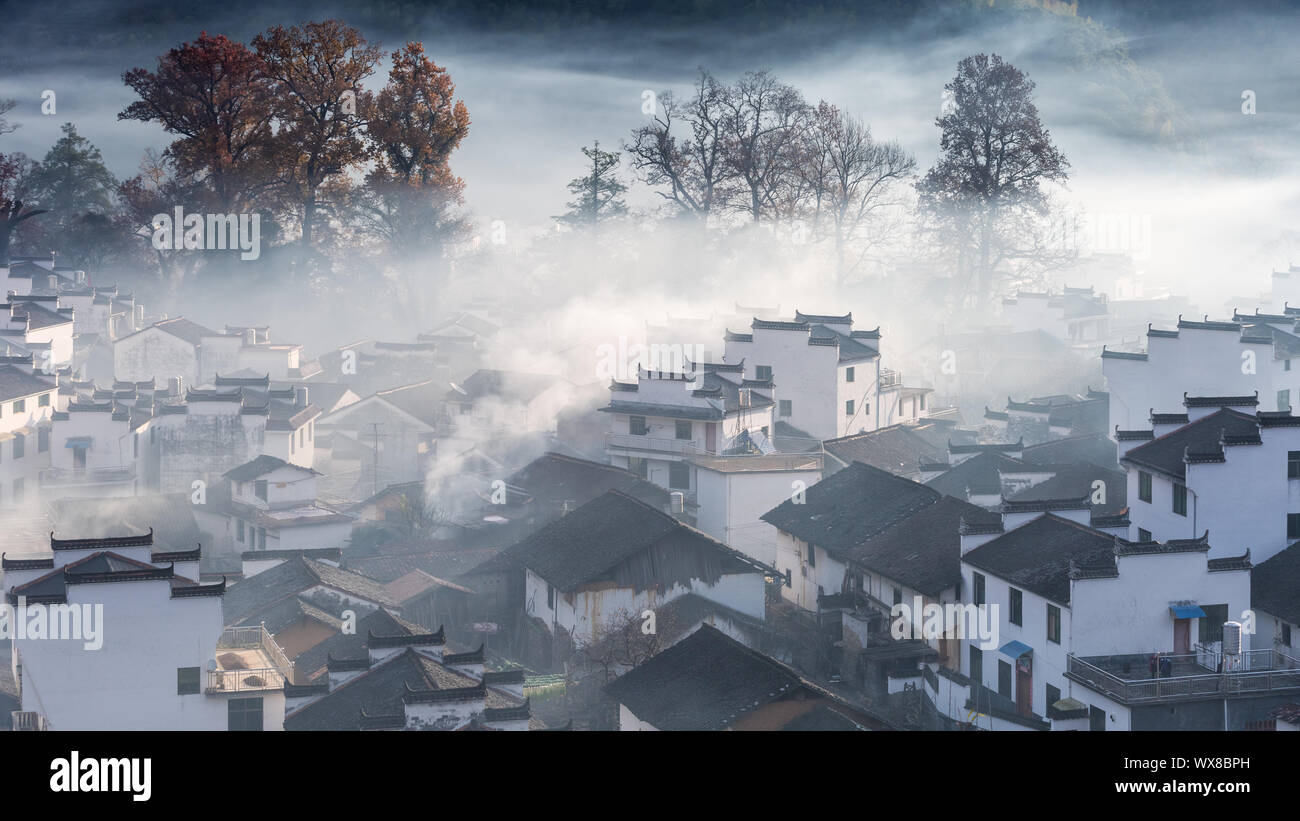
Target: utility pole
375	436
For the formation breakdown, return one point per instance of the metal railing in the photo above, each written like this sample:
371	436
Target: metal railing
631	441
27	721
1256	671
890	378
86	476
239	681
255	637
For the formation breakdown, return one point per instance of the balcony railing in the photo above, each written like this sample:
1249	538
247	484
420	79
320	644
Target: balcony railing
27	721
255	637
1193	676
631	441
93	476
890	378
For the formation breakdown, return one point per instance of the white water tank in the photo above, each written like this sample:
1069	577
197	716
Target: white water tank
1232	638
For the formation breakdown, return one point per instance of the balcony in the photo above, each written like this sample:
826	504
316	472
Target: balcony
890	378
248	660
651	444
73	477
1192	676
27	721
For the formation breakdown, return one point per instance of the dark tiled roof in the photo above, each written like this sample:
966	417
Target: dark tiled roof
923	551
1096	448
1165	454
260	466
1037	555
292	577
599	537
1076	482
16	383
822	719
704	682
897	448
1275	585
980	475
843	511
555	477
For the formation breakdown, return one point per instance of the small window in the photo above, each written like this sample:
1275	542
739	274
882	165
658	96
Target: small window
1144	535
259	489
244	714
1180	499
1293	464
786	408
787	578
636	425
898	595
978	584
1211	627
1053	624
20	445
848	408
187	681
1144	486
20	406
976	664
848	375
302	437
1004	678
763	373
1284	400
261	538
550	597
812	555
291	443
922	401
43	401
679	476
1017	607
1286	634
239	530
1293	525
683	430
1286	364
43	440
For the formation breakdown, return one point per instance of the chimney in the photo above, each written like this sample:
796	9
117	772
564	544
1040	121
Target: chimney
174	386
300	396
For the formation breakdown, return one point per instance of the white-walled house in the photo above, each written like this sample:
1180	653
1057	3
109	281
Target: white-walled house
614	558
138	646
28	400
179	347
733	492
1275	596
1081	617
273	509
661	421
1221	467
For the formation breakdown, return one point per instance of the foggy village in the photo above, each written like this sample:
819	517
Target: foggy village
558	368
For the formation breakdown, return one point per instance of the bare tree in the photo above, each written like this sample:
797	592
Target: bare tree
764	124
689	164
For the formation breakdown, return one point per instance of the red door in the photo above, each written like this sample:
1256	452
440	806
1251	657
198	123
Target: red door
711	437
1182	635
1025	685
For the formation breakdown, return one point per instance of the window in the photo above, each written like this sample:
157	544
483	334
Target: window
259	489
922	401
20	406
311	430
786	408
1284	400
244	714
848	408
1293	525
1286	364
639	466
1004	679
1017	607
291	443
261	538
302	436
787	577
848	375
636	425
1286	634
979	588
1293	464
1096	719
679	475
43	401
550	597
683	430
187	681
898	595
812	555
763	373
239	530
1053	694
43	440
1053	624
1211	627
1144	535
20	445
1180	499
976	664
1144	486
